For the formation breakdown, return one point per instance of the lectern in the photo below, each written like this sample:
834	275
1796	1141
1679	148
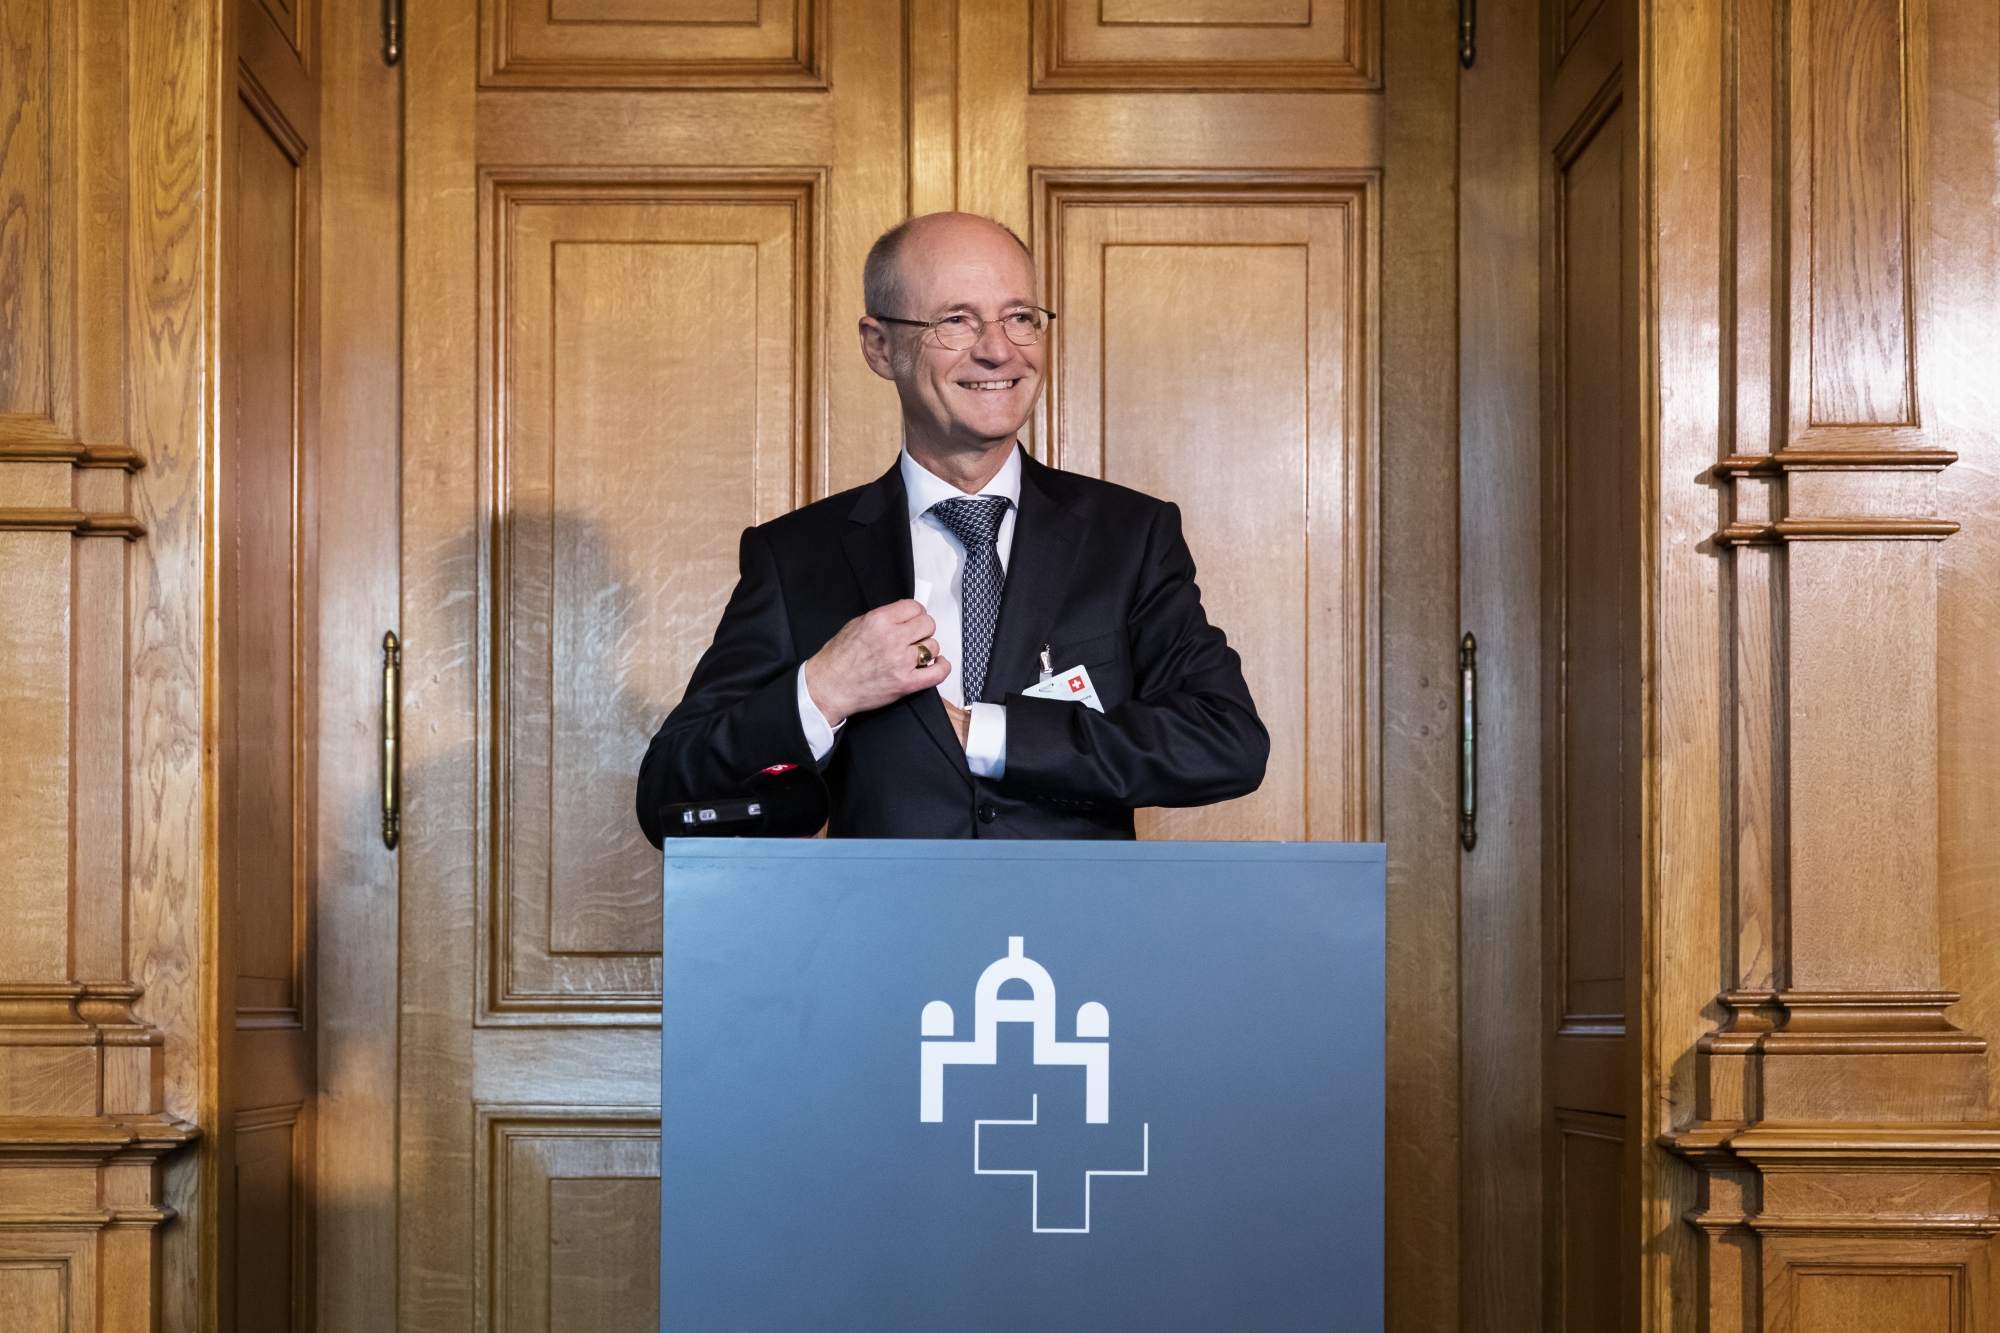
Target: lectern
1037	1087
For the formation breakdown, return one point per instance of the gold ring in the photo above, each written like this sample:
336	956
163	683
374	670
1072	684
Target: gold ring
924	657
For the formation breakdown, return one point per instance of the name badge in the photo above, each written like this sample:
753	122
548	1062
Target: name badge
1073	685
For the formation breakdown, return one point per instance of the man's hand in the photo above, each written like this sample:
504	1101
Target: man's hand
872	662
961	719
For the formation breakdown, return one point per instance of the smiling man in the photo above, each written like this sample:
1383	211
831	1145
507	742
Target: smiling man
891	635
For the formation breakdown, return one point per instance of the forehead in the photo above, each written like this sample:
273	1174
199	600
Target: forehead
965	264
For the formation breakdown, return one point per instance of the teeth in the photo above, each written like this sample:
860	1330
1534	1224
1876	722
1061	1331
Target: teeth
990	384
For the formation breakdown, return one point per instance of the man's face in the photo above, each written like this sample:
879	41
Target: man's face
980	397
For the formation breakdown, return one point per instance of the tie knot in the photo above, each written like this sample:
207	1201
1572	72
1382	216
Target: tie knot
973	519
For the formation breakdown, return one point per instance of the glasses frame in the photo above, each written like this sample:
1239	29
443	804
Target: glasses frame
931	324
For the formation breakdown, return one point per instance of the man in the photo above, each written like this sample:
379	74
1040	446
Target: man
885	634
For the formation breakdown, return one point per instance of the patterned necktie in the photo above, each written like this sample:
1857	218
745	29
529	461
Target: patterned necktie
975	521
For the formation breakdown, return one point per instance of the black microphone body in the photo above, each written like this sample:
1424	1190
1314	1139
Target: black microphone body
782	801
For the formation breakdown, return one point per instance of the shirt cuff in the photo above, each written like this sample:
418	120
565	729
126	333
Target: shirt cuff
820	736
986	741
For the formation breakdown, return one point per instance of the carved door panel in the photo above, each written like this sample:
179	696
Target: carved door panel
634	239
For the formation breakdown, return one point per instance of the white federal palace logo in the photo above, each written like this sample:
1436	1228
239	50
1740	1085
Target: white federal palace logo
1091	1049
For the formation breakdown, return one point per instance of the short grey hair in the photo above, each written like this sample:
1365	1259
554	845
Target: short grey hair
881	278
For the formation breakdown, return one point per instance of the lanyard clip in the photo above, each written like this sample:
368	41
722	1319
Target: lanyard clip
1048	667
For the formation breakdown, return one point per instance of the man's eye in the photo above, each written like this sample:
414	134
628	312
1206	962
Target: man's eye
954	324
1021	319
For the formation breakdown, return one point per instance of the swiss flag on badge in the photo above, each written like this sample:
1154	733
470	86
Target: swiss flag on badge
1072	686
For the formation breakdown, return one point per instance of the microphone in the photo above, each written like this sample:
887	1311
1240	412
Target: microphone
782	801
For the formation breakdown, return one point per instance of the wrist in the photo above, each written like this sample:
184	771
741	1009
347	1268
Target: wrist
832	709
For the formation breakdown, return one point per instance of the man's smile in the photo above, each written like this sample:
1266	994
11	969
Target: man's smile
988	384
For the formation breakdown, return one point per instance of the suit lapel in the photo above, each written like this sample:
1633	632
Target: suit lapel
878	549
1047	539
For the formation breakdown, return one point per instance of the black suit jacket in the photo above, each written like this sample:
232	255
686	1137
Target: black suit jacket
1099	573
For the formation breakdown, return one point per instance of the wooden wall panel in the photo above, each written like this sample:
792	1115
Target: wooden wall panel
1837	1109
572	1198
262	737
652	43
1285	346
38	257
34	721
34	1295
1858	244
1206	44
653	370
1590	1167
1595	824
265	1205
1830	1300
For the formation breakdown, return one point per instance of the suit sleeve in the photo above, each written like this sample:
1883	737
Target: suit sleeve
1189	735
740	712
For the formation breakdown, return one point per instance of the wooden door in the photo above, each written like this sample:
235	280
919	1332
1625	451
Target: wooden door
634	238
1591	655
263	1153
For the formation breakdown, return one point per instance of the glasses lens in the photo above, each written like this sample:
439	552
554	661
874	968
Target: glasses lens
956	332
1024	326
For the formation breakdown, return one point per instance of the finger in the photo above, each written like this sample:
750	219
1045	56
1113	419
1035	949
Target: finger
936	673
903	612
921	645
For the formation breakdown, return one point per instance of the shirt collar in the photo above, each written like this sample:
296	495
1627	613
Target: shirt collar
926	488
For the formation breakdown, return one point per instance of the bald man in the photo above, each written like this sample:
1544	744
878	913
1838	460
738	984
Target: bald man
886	634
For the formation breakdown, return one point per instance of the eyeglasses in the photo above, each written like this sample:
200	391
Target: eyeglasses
961	329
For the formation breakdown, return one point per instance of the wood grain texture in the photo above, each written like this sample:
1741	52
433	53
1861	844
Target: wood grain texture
611	577
1270	131
171	214
1859	239
867	193
1200	44
355	991
1419	635
702	235
1859	207
29	260
572	1200
651	44
1874	1208
443	677
1279	270
1679	232
1500	588
1958	400
34	728
930	103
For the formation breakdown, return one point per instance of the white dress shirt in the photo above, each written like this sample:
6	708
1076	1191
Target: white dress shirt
937	561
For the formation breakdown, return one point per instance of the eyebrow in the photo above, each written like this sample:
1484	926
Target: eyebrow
1009	307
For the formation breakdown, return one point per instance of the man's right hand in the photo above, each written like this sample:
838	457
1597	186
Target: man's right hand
872	662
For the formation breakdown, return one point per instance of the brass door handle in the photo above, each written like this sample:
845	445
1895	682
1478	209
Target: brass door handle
1468	742
392	726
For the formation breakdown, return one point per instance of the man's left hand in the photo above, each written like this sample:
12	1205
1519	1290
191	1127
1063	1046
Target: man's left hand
961	719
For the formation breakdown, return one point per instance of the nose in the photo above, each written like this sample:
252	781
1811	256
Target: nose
993	346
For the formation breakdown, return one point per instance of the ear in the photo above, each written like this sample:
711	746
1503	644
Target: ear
875	347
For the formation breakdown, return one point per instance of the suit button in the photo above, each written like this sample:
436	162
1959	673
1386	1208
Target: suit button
987	814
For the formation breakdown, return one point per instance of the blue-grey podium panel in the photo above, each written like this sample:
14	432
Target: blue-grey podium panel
1043	1087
